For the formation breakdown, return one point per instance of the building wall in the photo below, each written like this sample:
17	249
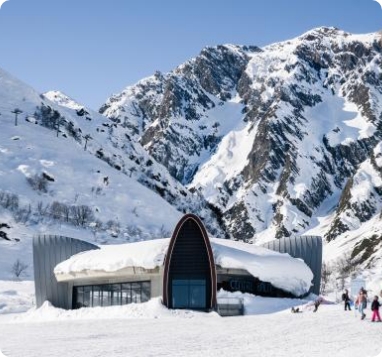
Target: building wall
307	248
48	251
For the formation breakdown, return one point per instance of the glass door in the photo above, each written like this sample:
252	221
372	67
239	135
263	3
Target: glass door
189	293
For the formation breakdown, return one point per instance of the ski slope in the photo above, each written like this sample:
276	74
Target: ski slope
151	330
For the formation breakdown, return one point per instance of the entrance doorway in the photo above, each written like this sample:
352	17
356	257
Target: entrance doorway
189	294
189	277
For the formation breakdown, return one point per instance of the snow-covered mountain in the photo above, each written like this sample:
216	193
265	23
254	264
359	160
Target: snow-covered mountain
51	156
62	171
111	143
260	142
282	140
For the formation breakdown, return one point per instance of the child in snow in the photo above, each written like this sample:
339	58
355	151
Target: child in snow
375	308
361	303
317	303
346	300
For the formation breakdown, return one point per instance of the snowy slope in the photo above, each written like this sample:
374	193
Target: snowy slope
150	330
77	178
42	170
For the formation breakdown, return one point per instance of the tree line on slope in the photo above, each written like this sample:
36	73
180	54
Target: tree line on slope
81	216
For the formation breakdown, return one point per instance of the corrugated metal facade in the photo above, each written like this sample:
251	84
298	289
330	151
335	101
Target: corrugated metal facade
48	251
307	248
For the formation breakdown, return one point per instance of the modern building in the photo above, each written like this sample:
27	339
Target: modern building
187	271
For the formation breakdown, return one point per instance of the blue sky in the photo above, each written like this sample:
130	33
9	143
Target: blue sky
90	49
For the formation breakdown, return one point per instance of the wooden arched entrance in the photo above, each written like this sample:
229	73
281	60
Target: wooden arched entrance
189	280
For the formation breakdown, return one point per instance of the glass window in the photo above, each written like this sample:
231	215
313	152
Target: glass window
106	295
97	296
87	290
79	295
146	291
198	282
198	296
180	282
111	294
126	294
180	296
116	294
136	292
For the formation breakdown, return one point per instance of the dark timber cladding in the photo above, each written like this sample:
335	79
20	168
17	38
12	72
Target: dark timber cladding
189	279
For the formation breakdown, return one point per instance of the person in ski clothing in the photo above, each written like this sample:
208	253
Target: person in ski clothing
295	310
375	305
317	303
361	303
346	299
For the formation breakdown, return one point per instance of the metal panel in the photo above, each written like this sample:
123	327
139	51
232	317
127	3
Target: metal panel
299	250
38	269
280	244
48	251
276	246
292	245
52	287
62	300
307	248
318	265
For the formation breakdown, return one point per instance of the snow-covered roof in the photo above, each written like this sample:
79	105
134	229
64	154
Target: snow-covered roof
281	270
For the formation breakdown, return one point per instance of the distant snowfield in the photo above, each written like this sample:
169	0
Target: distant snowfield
149	329
16	296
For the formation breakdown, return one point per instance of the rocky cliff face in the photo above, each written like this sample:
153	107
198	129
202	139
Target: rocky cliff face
273	138
177	117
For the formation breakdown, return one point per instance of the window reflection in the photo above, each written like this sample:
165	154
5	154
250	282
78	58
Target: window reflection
111	294
87	296
116	294
126	294
97	295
